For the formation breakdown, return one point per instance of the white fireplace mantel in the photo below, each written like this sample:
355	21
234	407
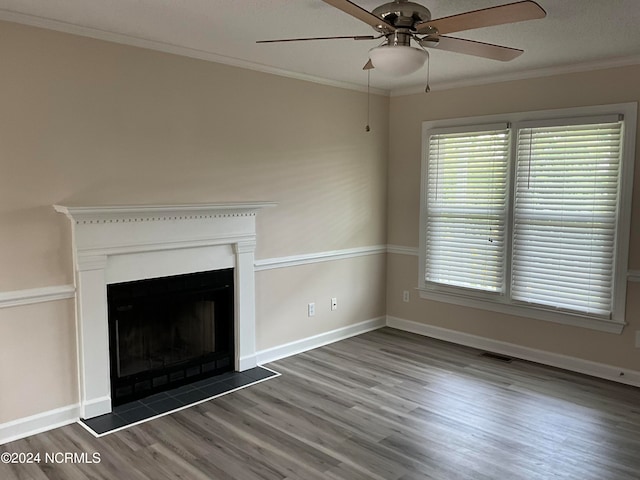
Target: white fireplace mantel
113	244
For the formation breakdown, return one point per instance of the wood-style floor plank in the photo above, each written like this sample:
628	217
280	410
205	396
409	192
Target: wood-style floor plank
386	405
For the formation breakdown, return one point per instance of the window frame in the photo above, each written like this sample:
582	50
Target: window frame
501	302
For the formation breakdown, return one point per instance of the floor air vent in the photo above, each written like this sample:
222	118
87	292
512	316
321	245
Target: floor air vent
497	356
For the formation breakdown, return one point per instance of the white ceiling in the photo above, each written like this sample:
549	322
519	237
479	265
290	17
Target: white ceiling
575	35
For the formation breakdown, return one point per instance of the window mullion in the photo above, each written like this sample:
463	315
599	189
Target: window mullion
508	260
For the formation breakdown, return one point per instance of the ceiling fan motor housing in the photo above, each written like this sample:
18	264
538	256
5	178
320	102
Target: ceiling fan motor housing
401	14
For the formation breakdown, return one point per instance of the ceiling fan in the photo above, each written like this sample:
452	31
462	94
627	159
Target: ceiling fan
401	21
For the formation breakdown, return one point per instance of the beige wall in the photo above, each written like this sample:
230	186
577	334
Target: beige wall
88	122
406	116
361	277
38	361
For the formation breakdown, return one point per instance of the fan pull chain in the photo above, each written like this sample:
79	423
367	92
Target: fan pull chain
367	128
428	88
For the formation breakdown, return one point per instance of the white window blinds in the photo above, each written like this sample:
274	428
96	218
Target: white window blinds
564	228
466	208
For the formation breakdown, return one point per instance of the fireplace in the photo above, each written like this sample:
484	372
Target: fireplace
130	243
169	331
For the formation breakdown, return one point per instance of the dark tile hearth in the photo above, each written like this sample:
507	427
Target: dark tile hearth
178	398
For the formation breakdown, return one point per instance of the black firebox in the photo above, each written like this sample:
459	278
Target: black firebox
166	332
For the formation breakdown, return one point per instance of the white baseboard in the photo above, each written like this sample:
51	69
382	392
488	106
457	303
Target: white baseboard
309	343
600	370
24	427
96	407
246	363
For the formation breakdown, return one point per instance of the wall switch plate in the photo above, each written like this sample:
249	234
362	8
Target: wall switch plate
311	309
637	338
334	303
405	296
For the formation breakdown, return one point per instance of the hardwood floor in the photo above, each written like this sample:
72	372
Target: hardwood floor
383	405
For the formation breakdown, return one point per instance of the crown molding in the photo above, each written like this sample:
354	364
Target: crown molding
98	34
71	28
523	75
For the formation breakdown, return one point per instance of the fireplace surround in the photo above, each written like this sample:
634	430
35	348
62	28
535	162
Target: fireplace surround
125	243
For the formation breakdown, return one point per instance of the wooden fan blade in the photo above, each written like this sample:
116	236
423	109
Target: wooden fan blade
487	17
352	37
368	65
479	49
361	14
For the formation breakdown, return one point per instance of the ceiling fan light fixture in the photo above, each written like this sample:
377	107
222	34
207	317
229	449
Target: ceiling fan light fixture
398	59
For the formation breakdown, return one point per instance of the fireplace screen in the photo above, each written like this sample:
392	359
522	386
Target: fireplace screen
169	331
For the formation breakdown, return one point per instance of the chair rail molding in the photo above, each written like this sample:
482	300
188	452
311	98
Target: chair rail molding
30	296
318	257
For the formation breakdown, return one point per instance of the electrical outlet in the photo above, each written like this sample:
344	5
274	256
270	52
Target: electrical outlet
334	303
311	309
405	296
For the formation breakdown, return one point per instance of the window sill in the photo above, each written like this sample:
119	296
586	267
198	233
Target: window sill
564	318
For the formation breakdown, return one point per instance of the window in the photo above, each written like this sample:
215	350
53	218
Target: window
530	215
466	207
